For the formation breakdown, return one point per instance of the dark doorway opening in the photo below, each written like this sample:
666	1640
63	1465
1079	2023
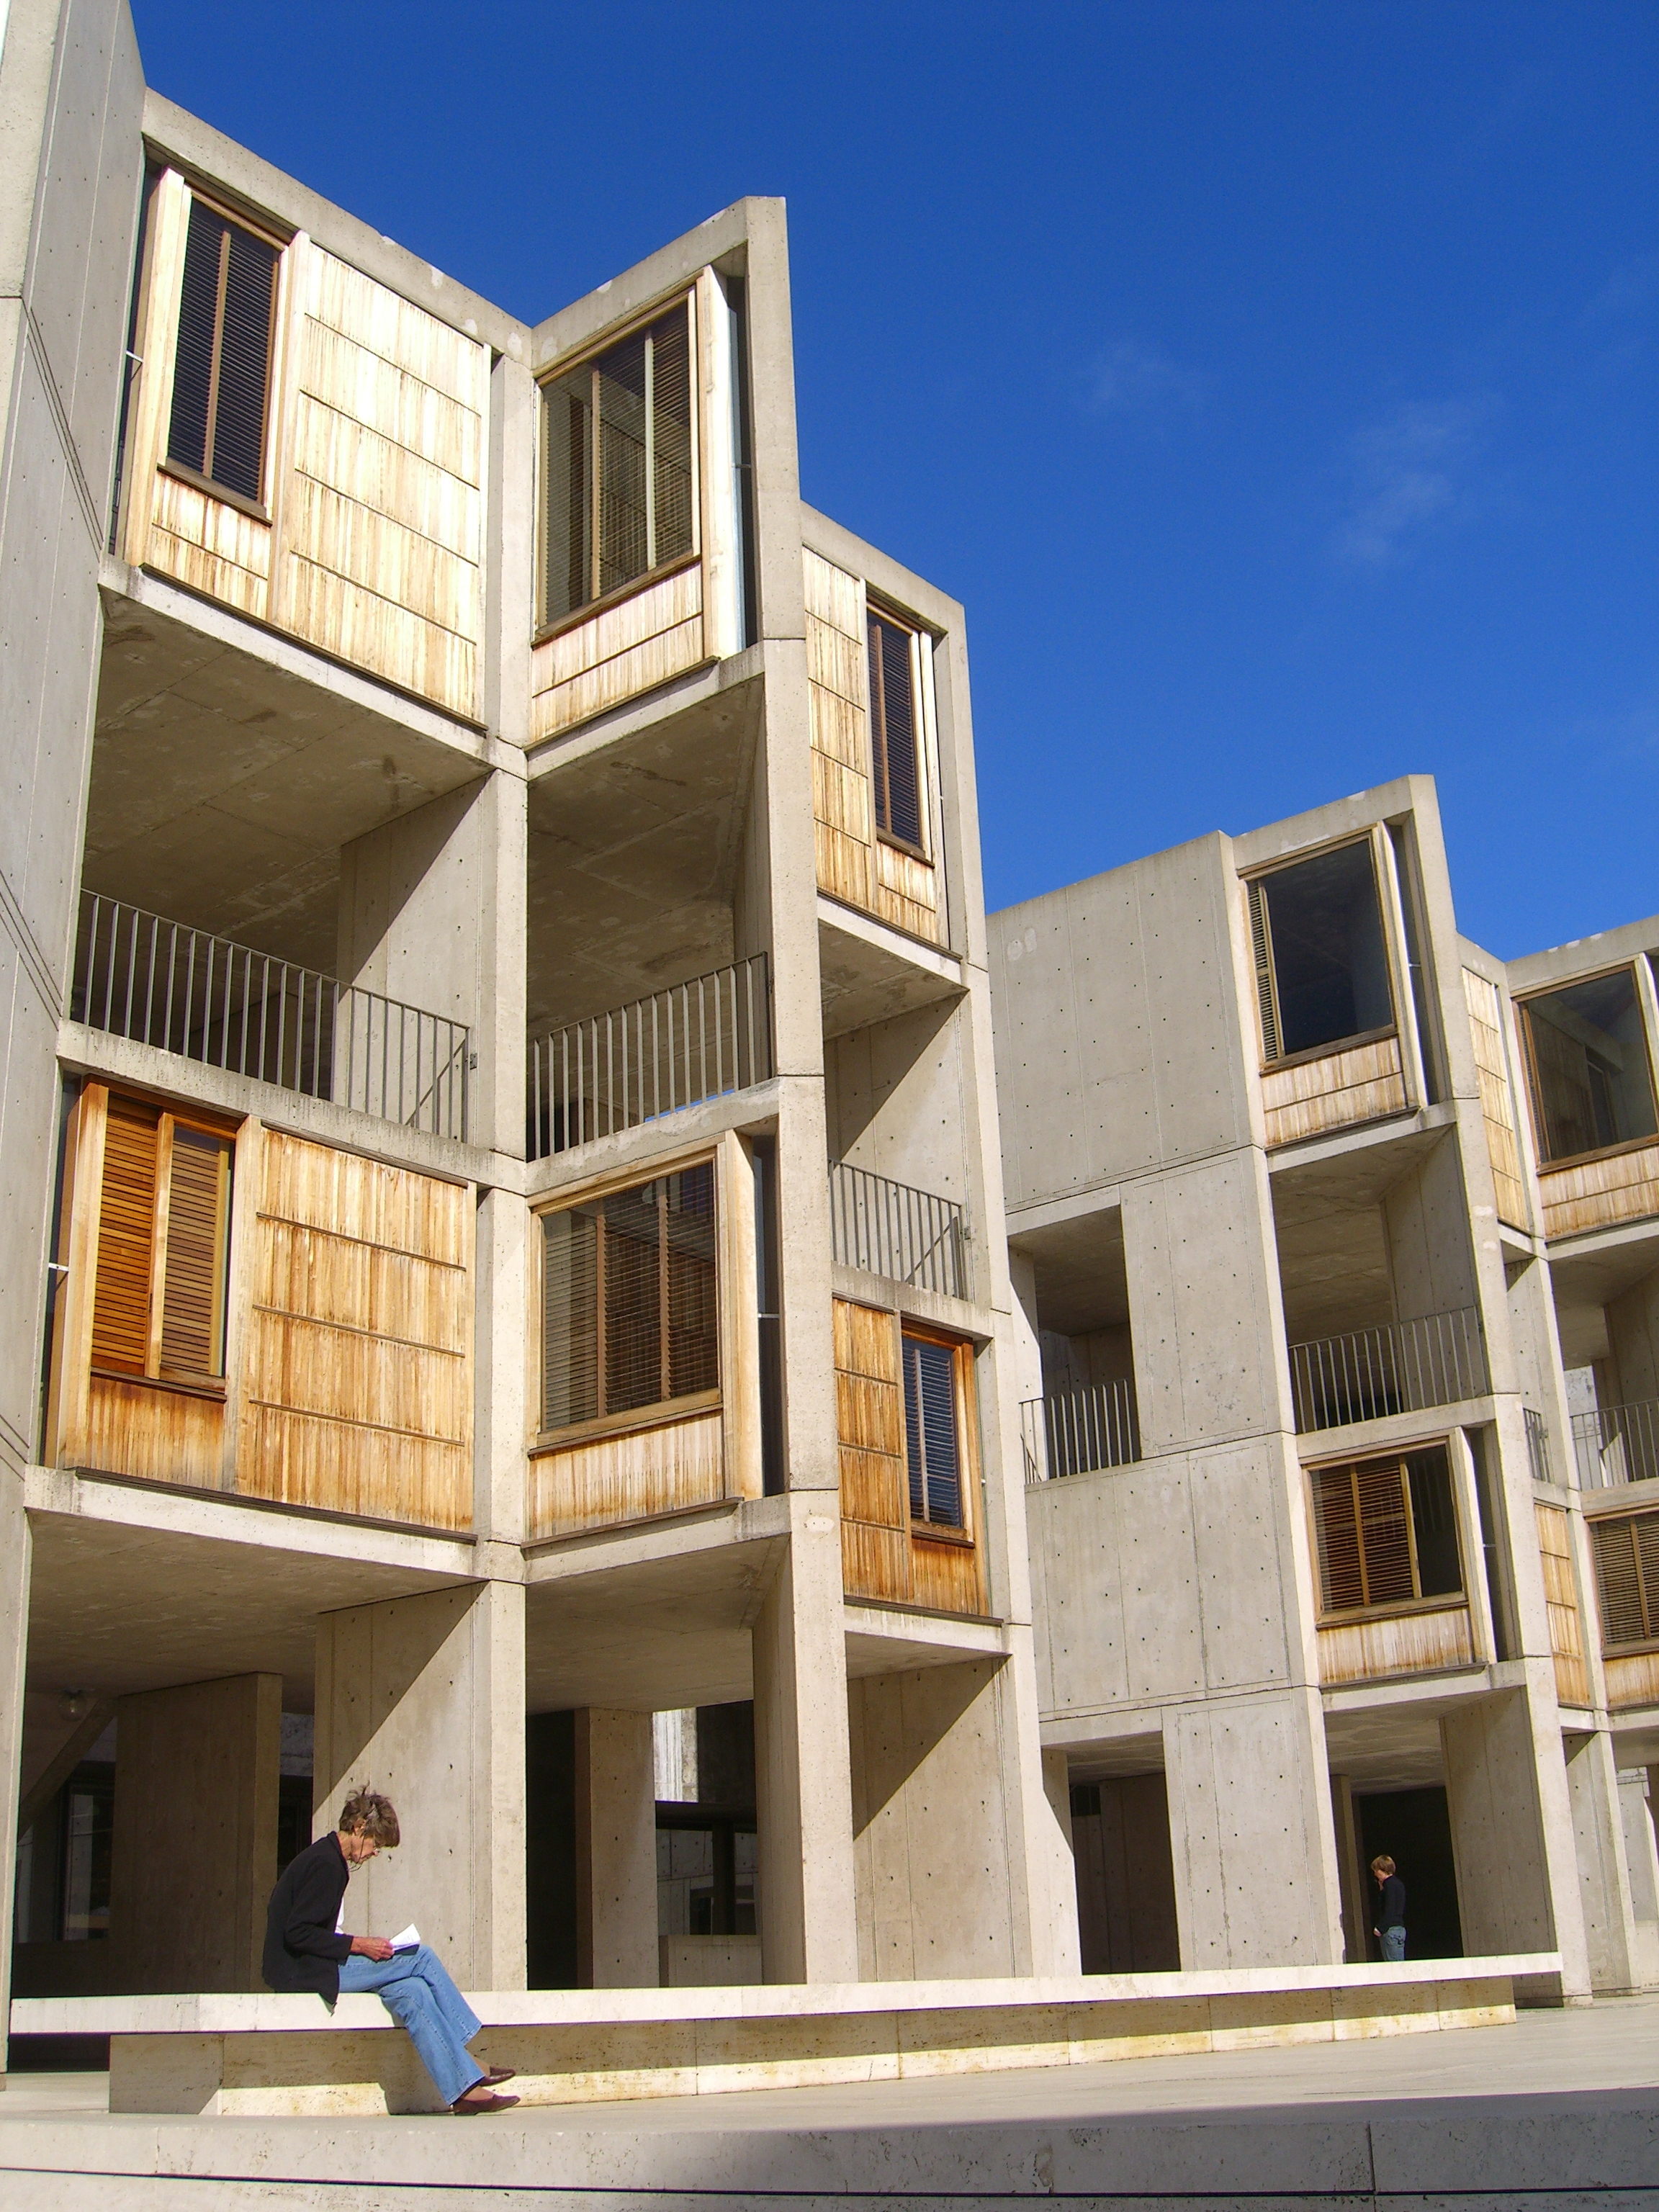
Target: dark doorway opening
1125	1896
1413	1828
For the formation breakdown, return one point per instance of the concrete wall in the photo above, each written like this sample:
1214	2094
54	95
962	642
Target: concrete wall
1429	1255
1634	1333
615	1852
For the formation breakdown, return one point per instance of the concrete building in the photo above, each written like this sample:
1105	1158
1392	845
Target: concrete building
507	1298
1337	1243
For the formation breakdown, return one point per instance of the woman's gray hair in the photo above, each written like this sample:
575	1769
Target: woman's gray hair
368	1813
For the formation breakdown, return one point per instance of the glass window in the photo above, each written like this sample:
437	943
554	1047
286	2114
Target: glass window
630	1318
1386	1531
222	368
1321	967
617	448
893	725
1586	1057
932	1446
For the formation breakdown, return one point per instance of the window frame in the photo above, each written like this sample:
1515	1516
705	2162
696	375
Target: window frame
964	1373
1522	1004
586	357
1609	1648
263	508
662	1413
1328	1616
1253	883
875	609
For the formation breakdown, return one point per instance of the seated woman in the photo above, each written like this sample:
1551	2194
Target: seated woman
306	1949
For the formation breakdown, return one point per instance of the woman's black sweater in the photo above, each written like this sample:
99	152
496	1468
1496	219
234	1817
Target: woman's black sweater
303	1949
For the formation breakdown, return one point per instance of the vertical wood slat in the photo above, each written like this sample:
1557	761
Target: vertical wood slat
1561	1603
1497	1097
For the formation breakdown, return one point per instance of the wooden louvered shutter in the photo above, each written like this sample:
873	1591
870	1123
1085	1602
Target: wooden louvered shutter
1261	951
222	365
633	1300
1342	1581
672	535
126	1238
691	1330
1385	1534
571	1311
1626	1618
893	731
932	1448
193	1271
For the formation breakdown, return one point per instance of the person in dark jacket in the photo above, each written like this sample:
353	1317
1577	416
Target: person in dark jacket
307	1948
1390	1931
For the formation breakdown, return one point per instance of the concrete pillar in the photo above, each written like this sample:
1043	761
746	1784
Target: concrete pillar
501	1327
423	1699
615	1851
806	1906
1352	1873
16	1549
195	1857
1512	1832
1643	1862
1604	1886
1250	1833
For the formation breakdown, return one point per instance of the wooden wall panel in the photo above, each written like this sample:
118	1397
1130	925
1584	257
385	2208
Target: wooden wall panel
212	547
1411	1643
358	1363
634	1476
946	1577
1599	1193
907	893
1363	1083
164	1435
618	654
875	1562
1561	1602
1632	1679
1497	1100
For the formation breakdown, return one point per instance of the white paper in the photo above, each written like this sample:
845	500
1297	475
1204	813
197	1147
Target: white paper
407	1939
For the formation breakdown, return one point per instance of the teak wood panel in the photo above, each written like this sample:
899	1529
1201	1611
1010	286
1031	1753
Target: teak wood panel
1363	1083
1632	1679
357	1385
1405	1644
614	655
1561	1603
1497	1100
1599	1193
632	1477
161	1435
213	547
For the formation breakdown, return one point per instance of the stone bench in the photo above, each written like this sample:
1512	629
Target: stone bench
259	2054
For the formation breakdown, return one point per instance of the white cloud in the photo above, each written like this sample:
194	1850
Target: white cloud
1413	470
1129	377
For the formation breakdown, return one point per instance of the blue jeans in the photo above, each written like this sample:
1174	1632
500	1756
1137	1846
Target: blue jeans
415	1987
1393	1945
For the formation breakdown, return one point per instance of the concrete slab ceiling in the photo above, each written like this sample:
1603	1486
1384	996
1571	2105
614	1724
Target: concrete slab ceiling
1586	1282
1082	1281
868	973
1332	1243
633	859
223	787
1388	1746
1112	1759
882	1643
115	1608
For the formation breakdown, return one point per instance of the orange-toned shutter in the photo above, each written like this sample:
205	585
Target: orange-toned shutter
1385	1534
1342	1587
126	1232
193	1305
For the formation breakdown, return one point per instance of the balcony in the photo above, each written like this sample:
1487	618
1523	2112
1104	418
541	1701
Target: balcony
1437	1359
223	1006
1081	1431
890	1229
703	1039
1616	1443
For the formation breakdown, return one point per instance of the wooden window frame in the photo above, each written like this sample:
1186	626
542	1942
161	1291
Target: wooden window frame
662	1413
1396	1609
260	509
1547	1165
964	1370
588	357
877	609
1649	1641
1255	885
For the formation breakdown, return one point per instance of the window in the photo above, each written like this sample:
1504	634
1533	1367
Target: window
221	369
1321	972
616	437
1386	1531
893	729
933	1439
1587	1060
629	1316
163	1243
1627	1578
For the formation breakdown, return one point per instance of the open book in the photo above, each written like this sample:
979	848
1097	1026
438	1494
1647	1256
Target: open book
407	1939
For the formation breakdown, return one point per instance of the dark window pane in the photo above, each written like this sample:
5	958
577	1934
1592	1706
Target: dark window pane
1591	1085
893	732
570	1336
1434	1524
192	360
633	1301
239	422
1329	965
621	381
930	1432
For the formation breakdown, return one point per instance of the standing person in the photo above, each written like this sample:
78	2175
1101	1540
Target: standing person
306	1949
1390	1932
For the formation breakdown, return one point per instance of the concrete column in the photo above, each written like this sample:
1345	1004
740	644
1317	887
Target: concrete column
1604	1886
806	1912
1351	1873
423	1699
16	1551
615	1852
195	1857
1642	1862
1512	1830
501	1327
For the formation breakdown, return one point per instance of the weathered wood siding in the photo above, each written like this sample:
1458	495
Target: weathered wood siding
357	1386
855	865
883	1556
1561	1602
1407	1644
616	655
1496	1099
150	1429
1363	1083
632	1477
1632	1679
1599	1193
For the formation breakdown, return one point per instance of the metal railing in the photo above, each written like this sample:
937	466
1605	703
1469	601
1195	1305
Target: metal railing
1438	1359
697	1040
889	1229
155	981
1616	1443
1081	1431
1538	1444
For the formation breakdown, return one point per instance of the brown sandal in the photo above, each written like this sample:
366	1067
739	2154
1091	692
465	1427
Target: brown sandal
495	2075
468	2103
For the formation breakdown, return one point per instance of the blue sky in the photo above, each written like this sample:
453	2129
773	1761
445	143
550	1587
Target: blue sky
1275	384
